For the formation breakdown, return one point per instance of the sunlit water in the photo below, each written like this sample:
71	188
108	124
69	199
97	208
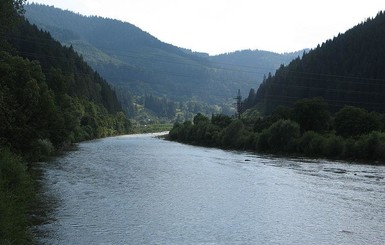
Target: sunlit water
144	190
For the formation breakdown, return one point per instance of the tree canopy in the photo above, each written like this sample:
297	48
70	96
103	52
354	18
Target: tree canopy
347	70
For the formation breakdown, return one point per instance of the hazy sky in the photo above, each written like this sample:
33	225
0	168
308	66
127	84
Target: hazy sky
219	26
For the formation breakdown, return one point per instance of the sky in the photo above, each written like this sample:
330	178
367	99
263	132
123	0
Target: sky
221	26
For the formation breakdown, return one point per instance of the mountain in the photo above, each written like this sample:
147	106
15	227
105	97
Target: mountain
50	96
254	61
138	63
345	70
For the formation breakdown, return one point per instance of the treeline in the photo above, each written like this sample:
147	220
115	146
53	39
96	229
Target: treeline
307	129
149	108
348	70
161	106
49	99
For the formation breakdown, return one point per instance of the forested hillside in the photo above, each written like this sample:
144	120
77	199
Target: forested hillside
347	70
330	103
138	64
49	98
52	94
254	62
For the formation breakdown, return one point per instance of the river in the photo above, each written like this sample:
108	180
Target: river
139	189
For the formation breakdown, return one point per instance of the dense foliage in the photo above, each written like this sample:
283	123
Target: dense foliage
49	98
52	94
15	196
352	133
348	70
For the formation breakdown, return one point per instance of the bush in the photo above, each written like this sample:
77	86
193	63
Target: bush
352	121
174	132
262	144
15	193
334	146
312	114
280	136
312	144
41	149
233	133
371	146
350	149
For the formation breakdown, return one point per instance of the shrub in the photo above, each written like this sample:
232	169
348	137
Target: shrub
312	114
279	137
350	149
371	146
41	149
312	144
262	144
232	133
334	146
352	121
15	194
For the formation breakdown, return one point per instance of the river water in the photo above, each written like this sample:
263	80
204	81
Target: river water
139	189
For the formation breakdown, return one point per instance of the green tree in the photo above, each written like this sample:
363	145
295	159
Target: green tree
232	134
15	194
311	144
9	11
220	120
353	121
312	114
281	135
199	118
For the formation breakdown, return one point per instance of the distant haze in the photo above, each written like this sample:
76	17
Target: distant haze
220	26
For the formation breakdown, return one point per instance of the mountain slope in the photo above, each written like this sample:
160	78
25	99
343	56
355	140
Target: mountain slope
137	62
348	70
52	95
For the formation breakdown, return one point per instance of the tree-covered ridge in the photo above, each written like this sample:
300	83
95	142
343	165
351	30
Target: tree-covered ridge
51	95
347	70
78	79
133	59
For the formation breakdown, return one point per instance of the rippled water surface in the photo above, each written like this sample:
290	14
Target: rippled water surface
143	190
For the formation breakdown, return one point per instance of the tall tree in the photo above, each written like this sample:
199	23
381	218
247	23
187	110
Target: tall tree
312	114
9	10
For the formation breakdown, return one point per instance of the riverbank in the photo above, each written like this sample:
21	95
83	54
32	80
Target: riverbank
275	135
16	194
18	189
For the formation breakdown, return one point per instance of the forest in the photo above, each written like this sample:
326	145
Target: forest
345	70
328	103
141	65
307	129
49	99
